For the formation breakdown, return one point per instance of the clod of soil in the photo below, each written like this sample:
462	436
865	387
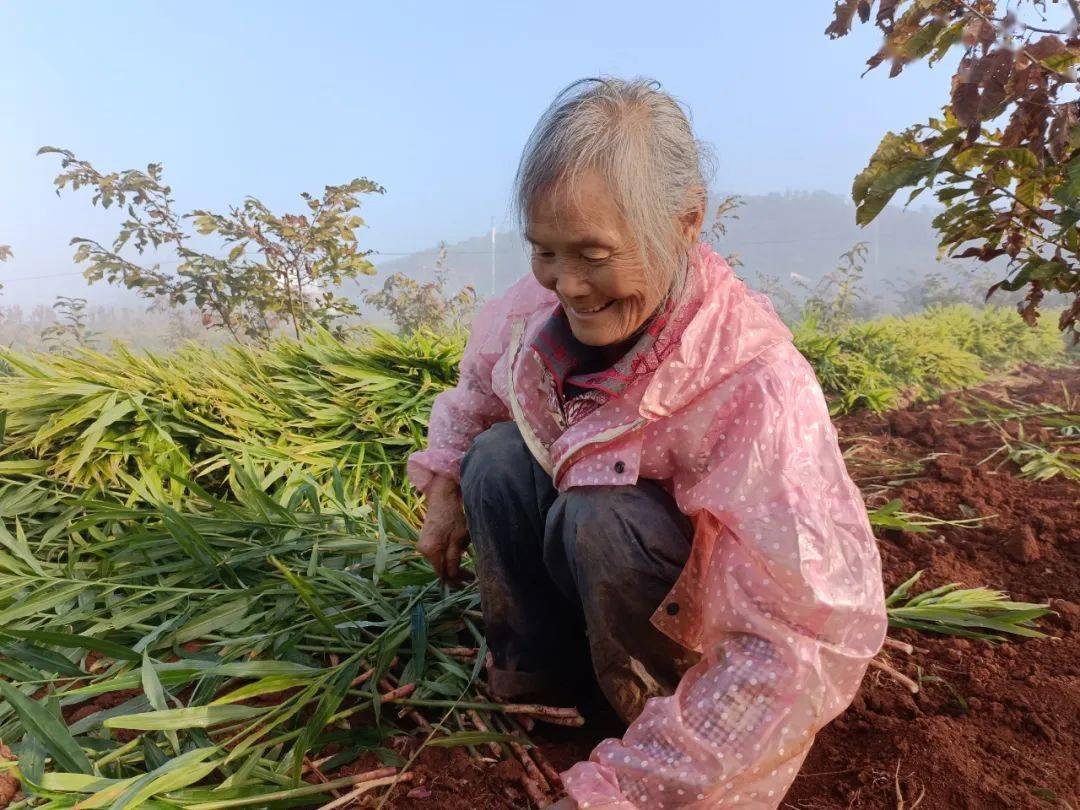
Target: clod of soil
1024	547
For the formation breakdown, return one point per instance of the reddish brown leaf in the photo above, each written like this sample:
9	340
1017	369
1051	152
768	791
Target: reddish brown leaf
874	61
886	12
974	75
1069	318
1061	126
1027	123
1014	243
978	32
996	70
1029	310
970	253
864	10
843	16
965	102
1025	75
1045	47
984	254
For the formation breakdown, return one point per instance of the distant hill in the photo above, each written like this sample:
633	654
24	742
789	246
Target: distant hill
774	234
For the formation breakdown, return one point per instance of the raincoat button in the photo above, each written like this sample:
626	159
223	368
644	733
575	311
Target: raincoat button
672	608
620	468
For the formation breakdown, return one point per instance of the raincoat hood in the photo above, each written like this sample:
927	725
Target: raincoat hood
730	327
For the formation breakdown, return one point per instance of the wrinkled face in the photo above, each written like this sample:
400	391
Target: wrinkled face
582	249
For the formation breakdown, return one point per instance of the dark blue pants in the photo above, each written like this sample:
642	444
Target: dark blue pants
565	578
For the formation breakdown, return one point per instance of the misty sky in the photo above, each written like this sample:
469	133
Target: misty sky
432	100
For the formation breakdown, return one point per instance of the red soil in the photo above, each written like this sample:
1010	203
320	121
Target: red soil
448	779
994	726
1016	742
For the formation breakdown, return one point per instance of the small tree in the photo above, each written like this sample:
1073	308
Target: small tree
1011	190
5	254
916	291
278	269
183	328
413	305
70	330
787	305
726	211
834	302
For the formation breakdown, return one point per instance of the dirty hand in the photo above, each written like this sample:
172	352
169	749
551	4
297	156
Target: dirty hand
443	537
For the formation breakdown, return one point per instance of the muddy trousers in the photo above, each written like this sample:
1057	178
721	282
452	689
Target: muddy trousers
568	580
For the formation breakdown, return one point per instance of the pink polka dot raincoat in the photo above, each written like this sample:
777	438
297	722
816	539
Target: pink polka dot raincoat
782	594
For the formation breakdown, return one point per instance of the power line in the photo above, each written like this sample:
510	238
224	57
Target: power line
174	262
793	241
4	280
435	252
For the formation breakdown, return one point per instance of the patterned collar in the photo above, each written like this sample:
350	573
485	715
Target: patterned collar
578	391
564	356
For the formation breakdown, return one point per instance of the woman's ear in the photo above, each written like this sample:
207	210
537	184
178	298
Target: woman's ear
691	222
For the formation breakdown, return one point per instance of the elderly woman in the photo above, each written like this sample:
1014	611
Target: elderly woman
647	471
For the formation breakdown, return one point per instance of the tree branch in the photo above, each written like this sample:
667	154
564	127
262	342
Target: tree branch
1074	6
1038	234
1038	30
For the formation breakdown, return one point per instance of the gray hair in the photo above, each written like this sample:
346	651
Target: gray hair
641	142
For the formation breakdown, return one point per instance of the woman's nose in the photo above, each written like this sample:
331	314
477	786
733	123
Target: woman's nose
569	284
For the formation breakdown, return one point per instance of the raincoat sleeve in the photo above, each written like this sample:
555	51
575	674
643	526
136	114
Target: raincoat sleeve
786	604
461	414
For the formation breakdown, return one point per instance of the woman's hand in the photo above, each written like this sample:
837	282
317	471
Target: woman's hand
444	535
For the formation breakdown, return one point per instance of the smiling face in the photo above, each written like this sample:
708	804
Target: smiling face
583	250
